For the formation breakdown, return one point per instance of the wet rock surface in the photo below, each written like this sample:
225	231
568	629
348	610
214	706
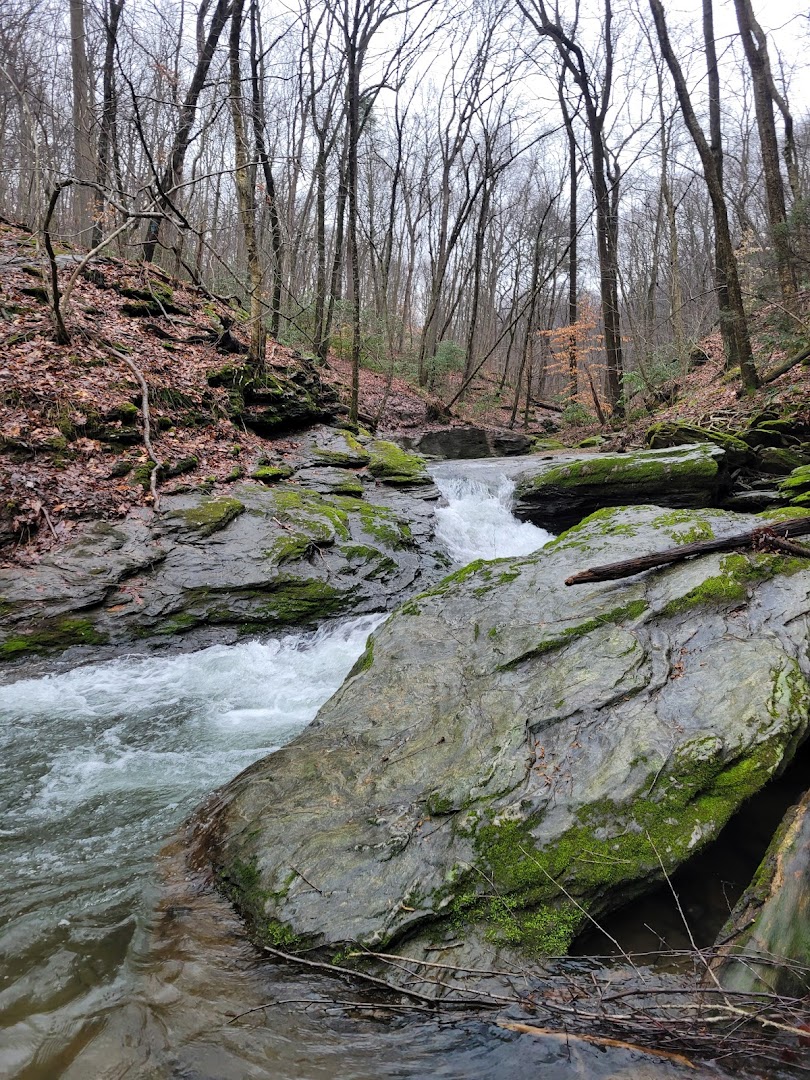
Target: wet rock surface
220	567
766	942
511	755
560	491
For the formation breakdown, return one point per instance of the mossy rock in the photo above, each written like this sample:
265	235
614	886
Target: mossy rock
393	465
797	483
271	474
504	776
558	494
778	462
210	516
52	636
668	434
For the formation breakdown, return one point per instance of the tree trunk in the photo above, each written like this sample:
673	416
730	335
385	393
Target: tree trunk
756	53
244	179
83	167
733	322
188	112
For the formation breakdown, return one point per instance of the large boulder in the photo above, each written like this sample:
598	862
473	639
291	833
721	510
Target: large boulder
220	567
469	442
559	492
511	756
677	433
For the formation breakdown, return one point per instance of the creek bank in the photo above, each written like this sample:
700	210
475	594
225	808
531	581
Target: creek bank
510	757
219	567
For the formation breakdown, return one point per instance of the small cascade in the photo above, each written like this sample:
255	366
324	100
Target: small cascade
477	522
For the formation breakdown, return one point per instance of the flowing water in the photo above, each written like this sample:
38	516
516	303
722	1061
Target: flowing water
116	964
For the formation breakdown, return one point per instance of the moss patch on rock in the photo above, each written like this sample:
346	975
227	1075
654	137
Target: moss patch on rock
389	463
53	635
210	516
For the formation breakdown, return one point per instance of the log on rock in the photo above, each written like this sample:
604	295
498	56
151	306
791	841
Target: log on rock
760	538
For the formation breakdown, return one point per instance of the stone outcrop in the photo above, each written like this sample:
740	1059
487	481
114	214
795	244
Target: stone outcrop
558	492
766	943
220	567
469	442
511	756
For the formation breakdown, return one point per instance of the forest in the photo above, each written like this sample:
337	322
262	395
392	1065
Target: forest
559	201
404	520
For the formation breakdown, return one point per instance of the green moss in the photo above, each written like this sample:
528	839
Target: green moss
348	485
271	474
783	513
438	805
379	522
699	529
211	515
141	474
354	454
547	444
318	515
602	522
300	600
393	465
365	661
731	586
627	471
240	882
612	848
177	624
626	613
55	634
287	548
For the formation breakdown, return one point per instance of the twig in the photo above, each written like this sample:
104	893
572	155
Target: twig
295	870
147	426
595	1040
336	969
331	1001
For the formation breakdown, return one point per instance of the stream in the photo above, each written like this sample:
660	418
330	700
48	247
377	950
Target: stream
112	964
115	962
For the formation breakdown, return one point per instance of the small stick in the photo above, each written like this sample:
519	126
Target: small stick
595	1040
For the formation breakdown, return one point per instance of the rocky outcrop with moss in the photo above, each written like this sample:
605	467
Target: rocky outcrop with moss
512	756
766	942
267	555
559	492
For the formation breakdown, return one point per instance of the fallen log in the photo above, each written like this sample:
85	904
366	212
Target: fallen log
760	539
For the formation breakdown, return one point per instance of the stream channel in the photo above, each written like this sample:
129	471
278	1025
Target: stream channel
113	963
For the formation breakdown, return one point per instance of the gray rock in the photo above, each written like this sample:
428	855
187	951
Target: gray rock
511	756
560	492
765	945
468	442
218	568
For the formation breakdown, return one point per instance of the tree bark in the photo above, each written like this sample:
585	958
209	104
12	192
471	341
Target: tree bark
244	179
756	53
188	112
83	167
733	322
753	538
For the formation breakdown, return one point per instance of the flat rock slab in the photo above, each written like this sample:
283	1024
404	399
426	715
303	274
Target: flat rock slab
217	568
511	754
558	493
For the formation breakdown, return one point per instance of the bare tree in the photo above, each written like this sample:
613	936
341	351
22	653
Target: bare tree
595	89
733	322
